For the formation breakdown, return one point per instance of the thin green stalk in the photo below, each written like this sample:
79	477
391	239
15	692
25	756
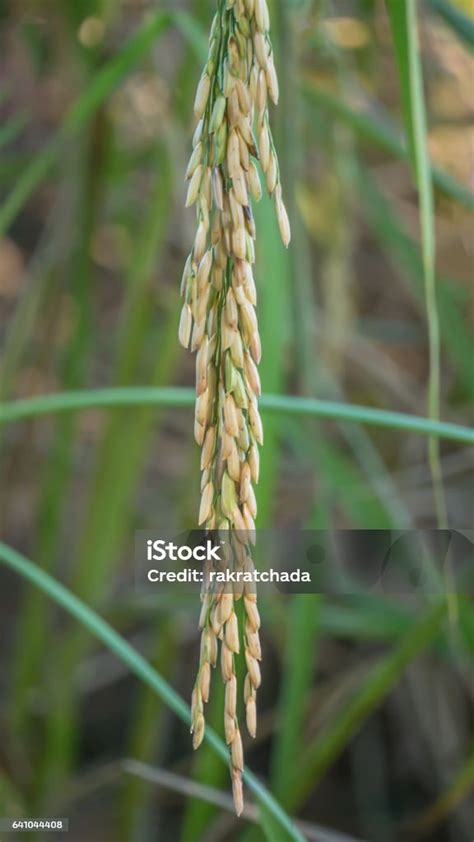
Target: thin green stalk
179	397
403	16
96	626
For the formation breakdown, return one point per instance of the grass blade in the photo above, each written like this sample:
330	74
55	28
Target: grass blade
403	17
461	24
182	397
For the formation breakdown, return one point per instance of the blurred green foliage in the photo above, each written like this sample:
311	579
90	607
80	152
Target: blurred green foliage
94	137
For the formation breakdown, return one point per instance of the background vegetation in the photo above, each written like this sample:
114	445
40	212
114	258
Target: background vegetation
366	711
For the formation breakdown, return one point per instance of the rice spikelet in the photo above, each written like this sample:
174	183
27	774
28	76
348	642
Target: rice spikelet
219	322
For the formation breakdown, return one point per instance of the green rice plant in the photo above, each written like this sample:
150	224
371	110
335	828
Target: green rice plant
357	459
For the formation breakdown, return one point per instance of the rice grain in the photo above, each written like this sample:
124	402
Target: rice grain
219	322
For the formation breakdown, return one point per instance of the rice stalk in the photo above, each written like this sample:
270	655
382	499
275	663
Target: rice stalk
218	321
